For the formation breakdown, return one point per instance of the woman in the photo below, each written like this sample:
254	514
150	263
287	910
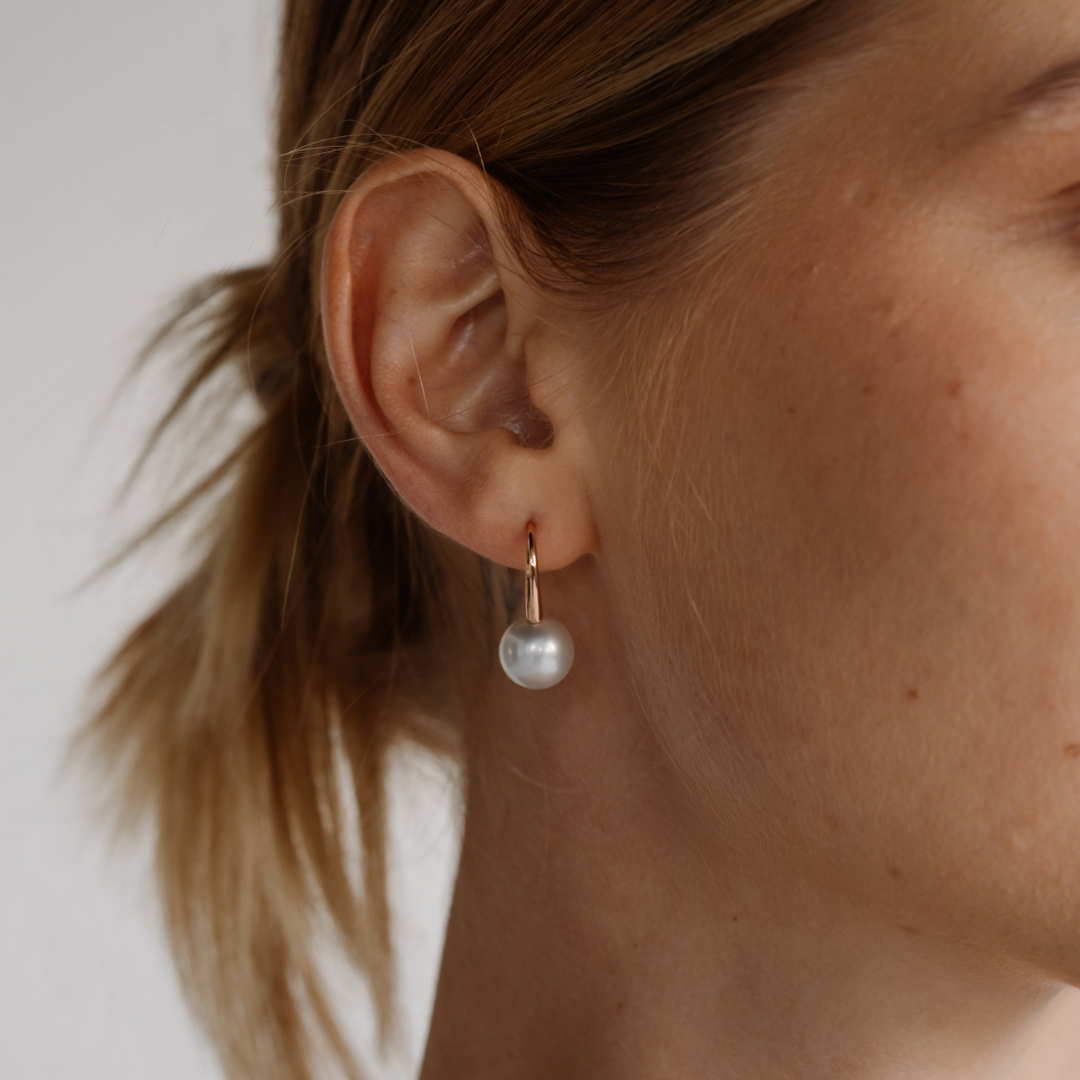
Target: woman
764	317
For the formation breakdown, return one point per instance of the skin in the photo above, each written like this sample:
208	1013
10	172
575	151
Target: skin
808	804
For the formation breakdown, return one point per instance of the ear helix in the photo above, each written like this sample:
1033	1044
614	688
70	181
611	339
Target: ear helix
535	652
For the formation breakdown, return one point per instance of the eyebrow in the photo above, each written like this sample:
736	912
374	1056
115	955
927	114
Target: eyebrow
1059	84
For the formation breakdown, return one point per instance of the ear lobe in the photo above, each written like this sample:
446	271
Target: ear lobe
430	327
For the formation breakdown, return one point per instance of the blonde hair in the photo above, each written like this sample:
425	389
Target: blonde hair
313	630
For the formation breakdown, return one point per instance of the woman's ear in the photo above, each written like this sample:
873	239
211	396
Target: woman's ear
452	368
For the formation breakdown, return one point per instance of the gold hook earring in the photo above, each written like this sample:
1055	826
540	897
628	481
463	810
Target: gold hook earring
535	652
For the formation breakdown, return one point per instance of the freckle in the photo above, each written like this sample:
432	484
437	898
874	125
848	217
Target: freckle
913	694
621	1006
894	872
832	822
734	918
791	410
868	389
955	387
910	930
1072	750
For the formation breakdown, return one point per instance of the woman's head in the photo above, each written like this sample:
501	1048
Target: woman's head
764	313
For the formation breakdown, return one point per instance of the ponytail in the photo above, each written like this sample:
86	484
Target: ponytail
250	715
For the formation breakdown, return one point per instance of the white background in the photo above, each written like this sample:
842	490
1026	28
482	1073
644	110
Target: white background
134	158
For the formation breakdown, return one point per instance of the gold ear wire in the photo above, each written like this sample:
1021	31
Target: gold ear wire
532	580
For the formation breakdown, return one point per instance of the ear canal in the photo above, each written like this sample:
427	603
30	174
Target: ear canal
502	403
517	413
476	385
533	429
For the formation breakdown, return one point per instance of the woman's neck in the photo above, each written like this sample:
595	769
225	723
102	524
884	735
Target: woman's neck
596	934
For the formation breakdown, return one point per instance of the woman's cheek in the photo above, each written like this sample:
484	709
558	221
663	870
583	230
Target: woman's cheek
913	464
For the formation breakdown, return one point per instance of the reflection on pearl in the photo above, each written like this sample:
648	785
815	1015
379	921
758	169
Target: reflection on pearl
536	655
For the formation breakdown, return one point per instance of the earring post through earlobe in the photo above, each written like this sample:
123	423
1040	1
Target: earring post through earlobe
535	653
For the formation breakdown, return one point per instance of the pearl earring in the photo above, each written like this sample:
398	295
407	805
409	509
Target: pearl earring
535	652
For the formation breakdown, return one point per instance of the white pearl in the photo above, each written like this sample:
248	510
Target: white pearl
536	655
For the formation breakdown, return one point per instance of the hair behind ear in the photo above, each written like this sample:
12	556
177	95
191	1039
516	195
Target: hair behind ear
250	715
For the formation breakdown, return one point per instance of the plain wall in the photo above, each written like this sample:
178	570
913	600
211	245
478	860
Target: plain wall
134	159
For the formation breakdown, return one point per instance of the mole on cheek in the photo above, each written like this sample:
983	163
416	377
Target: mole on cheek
955	388
1071	750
